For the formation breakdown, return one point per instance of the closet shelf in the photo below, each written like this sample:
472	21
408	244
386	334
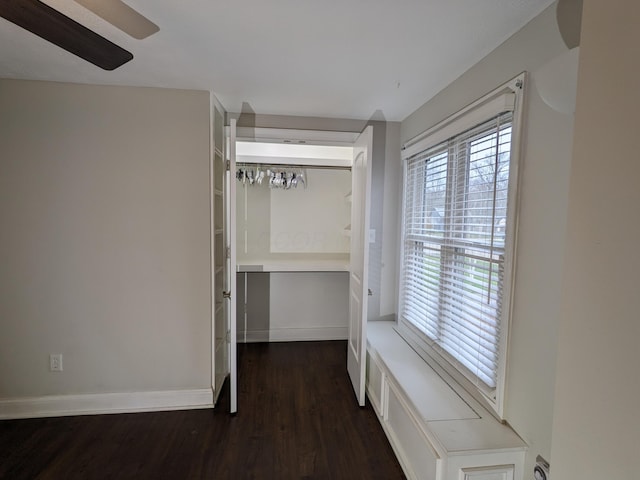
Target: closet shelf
310	265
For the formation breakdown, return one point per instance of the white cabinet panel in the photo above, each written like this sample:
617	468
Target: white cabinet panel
438	433
375	384
420	459
490	473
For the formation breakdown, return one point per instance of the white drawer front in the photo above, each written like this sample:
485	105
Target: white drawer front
419	457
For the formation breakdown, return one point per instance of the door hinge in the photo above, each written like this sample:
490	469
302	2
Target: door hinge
228	165
228	336
228	253
370	292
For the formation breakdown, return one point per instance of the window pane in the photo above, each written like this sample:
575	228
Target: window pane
455	226
421	286
470	312
435	194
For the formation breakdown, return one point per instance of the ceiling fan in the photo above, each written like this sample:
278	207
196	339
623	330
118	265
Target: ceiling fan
49	24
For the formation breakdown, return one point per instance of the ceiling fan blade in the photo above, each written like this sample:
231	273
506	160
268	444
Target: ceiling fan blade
53	26
121	16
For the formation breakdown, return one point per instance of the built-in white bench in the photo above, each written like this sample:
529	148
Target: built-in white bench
436	431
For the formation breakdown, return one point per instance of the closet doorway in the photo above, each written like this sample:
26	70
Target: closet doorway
298	240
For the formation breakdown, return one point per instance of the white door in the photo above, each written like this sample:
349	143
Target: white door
230	284
359	260
220	357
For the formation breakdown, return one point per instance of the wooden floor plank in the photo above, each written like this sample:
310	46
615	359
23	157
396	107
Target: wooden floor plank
297	419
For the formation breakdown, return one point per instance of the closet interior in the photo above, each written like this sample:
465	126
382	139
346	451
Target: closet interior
293	214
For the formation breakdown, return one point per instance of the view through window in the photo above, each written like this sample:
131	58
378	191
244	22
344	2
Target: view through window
455	227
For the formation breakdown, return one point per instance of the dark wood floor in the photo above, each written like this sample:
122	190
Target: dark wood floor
297	418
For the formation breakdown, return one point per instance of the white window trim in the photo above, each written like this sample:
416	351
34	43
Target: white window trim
477	112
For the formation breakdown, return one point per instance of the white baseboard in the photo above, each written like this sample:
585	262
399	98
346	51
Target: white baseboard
102	403
294	334
307	334
385	318
254	336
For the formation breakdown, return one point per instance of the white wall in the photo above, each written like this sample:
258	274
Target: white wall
294	305
104	239
542	214
391	213
309	306
596	430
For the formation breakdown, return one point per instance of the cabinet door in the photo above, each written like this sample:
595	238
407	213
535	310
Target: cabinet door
359	261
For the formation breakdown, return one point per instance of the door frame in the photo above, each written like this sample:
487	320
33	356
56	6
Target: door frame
311	137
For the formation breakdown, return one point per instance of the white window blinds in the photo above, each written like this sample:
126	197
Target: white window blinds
455	222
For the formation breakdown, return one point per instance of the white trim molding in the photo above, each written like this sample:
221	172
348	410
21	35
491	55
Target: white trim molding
508	97
287	334
104	403
502	99
307	334
286	135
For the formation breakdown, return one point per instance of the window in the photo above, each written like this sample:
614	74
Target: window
456	237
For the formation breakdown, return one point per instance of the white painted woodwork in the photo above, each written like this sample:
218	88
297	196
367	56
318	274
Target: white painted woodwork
104	403
230	224
416	454
337	263
375	386
219	308
359	261
437	430
294	153
499	473
293	136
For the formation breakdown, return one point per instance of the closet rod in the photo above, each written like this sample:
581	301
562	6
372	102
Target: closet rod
286	165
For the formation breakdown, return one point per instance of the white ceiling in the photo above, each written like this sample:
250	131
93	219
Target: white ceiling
327	58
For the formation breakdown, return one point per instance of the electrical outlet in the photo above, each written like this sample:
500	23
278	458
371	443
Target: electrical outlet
55	362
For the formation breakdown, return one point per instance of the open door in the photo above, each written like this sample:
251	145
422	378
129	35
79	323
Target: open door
220	357
359	260
230	273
